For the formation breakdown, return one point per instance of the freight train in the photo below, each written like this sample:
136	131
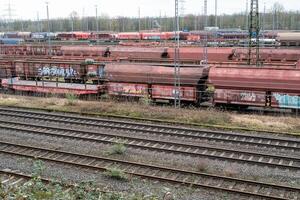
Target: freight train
270	86
190	55
219	37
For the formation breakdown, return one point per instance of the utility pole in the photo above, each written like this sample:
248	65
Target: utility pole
9	13
97	27
181	15
254	30
176	91
96	20
38	23
195	22
263	22
72	28
216	13
205	56
160	21
139	14
82	20
246	16
49	39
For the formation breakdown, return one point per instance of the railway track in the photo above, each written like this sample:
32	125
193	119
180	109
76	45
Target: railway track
155	172
286	144
10	178
157	145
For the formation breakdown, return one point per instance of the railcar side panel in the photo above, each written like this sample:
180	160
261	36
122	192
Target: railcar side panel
168	92
127	89
240	97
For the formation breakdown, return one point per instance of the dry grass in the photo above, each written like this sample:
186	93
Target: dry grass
136	109
231	172
202	166
118	148
278	123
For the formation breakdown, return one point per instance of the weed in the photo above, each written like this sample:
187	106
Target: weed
38	168
255	177
202	166
230	172
225	196
71	99
116	173
118	148
145	100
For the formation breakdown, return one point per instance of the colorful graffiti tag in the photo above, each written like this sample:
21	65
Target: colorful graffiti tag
57	71
248	96
287	101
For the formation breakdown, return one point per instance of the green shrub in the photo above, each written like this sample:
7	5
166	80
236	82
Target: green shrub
72	99
145	100
118	148
115	173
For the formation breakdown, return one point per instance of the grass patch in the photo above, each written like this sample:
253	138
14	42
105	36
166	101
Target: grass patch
117	149
202	166
212	117
36	189
72	99
116	173
145	100
230	172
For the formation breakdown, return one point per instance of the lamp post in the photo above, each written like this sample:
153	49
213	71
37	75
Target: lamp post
49	40
97	27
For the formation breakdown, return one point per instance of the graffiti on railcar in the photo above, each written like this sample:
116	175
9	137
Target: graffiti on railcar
287	100
94	72
127	89
57	71
248	96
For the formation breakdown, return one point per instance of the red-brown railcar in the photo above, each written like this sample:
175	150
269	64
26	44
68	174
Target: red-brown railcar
129	36
156	82
196	53
70	71
277	87
269	55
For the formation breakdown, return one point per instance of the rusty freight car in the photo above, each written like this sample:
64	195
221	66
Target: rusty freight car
271	87
70	71
155	82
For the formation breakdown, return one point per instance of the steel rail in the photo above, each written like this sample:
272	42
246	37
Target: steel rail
158	145
156	172
289	144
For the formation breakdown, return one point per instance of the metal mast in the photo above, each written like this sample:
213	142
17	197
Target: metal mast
9	16
97	25
38	23
139	14
49	38
254	29
176	91
182	10
205	57
216	13
246	16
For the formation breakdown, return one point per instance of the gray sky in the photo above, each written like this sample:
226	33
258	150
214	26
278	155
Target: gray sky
27	9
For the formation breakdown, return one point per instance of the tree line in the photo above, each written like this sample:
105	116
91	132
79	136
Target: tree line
275	19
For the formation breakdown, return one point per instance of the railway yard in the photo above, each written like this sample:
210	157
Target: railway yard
206	164
229	156
155	151
203	112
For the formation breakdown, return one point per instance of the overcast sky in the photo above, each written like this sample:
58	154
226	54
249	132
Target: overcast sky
27	9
